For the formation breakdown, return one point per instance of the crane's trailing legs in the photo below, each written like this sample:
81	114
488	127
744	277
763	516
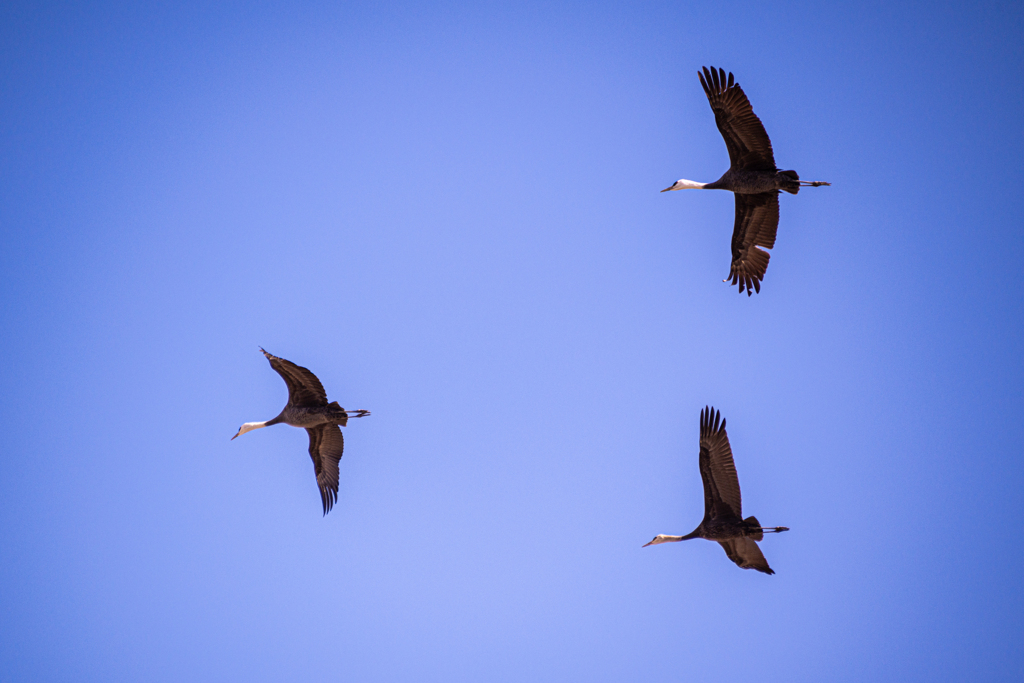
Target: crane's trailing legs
813	183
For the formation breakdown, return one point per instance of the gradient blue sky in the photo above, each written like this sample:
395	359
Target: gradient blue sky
450	213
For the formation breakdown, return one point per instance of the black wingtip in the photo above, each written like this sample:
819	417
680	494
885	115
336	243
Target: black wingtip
716	80
711	421
328	498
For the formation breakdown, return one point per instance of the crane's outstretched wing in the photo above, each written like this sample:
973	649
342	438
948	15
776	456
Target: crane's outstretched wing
326	445
757	220
304	389
745	136
717	471
745	553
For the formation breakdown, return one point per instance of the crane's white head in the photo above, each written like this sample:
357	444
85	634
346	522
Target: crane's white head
248	427
662	538
683	184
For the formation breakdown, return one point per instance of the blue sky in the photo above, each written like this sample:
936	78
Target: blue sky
450	213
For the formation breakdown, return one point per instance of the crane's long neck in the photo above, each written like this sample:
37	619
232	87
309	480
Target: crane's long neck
684	184
665	538
249	426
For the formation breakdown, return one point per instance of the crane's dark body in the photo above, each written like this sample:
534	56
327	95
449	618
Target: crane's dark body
723	506
756	182
724	529
752	176
308	408
311	416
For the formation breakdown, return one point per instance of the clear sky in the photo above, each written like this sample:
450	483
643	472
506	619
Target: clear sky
450	213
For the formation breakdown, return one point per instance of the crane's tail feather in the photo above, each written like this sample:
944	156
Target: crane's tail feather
758	534
793	184
341	416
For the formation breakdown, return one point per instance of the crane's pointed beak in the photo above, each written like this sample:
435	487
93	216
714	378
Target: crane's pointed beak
667	189
652	542
235	436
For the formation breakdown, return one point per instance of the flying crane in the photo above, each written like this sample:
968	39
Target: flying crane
753	178
723	515
308	407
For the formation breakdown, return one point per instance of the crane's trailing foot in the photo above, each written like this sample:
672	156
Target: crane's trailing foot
358	413
813	183
774	529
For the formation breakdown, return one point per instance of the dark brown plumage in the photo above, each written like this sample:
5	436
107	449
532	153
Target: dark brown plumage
308	408
749	147
723	506
326	446
757	220
752	176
